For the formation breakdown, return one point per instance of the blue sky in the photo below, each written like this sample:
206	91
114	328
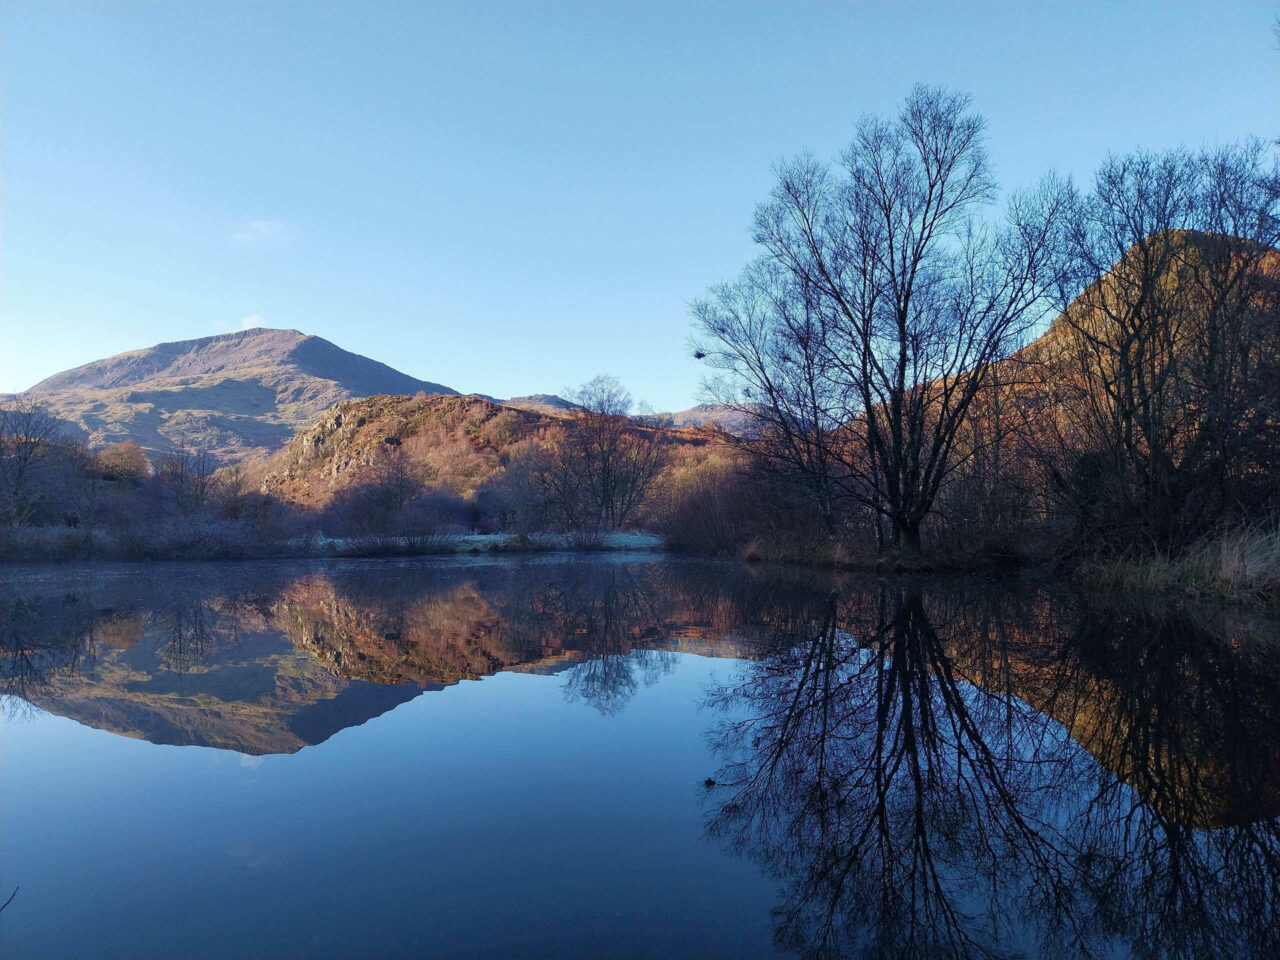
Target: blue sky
511	198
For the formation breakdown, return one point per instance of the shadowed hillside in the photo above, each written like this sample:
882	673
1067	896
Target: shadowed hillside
720	415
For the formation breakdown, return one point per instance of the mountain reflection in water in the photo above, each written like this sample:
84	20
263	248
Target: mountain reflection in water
267	662
927	770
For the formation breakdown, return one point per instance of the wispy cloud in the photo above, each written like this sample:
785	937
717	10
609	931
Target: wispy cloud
244	323
261	233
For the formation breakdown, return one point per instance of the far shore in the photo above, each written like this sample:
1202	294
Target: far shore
44	545
1237	569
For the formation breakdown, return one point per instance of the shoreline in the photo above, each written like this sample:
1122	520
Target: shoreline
1238	570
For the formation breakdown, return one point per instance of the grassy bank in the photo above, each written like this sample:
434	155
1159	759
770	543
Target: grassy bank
1239	565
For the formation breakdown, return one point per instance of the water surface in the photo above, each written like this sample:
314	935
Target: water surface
549	757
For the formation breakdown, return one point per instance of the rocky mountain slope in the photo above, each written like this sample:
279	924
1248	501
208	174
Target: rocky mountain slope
454	444
234	395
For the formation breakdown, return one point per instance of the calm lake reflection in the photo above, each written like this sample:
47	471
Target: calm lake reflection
660	758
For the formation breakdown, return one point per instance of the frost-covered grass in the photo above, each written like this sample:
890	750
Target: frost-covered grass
226	540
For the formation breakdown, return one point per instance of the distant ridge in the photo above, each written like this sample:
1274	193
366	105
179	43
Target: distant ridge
233	394
718	415
544	403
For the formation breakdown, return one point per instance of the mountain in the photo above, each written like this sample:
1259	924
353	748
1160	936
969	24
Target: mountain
721	415
234	395
547	404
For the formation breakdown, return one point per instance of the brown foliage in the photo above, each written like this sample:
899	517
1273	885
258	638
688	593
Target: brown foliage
124	461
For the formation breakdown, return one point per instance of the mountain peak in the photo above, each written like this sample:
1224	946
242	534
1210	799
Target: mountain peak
232	394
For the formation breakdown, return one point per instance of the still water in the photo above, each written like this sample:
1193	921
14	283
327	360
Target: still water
612	756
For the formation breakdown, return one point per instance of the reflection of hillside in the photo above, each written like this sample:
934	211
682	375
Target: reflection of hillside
271	664
400	628
275	703
1180	707
187	669
425	640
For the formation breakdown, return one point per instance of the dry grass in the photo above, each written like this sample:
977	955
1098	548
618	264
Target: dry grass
1238	564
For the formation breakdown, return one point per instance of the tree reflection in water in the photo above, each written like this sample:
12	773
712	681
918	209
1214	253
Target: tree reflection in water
190	630
938	775
39	637
612	618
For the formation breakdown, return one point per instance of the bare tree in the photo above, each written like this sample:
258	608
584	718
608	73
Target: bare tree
29	434
860	339
188	474
389	498
400	480
82	476
601	396
607	462
231	488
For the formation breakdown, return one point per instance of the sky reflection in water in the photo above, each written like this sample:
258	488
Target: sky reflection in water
288	760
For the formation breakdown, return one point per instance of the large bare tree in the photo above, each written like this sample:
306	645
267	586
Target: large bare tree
887	288
29	435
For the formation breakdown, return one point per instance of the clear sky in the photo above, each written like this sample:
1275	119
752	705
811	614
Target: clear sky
509	199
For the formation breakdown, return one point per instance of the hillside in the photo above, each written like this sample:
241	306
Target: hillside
453	444
458	442
718	415
234	395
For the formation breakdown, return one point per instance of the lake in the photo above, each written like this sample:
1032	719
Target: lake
628	756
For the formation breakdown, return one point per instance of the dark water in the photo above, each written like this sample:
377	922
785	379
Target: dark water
606	757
